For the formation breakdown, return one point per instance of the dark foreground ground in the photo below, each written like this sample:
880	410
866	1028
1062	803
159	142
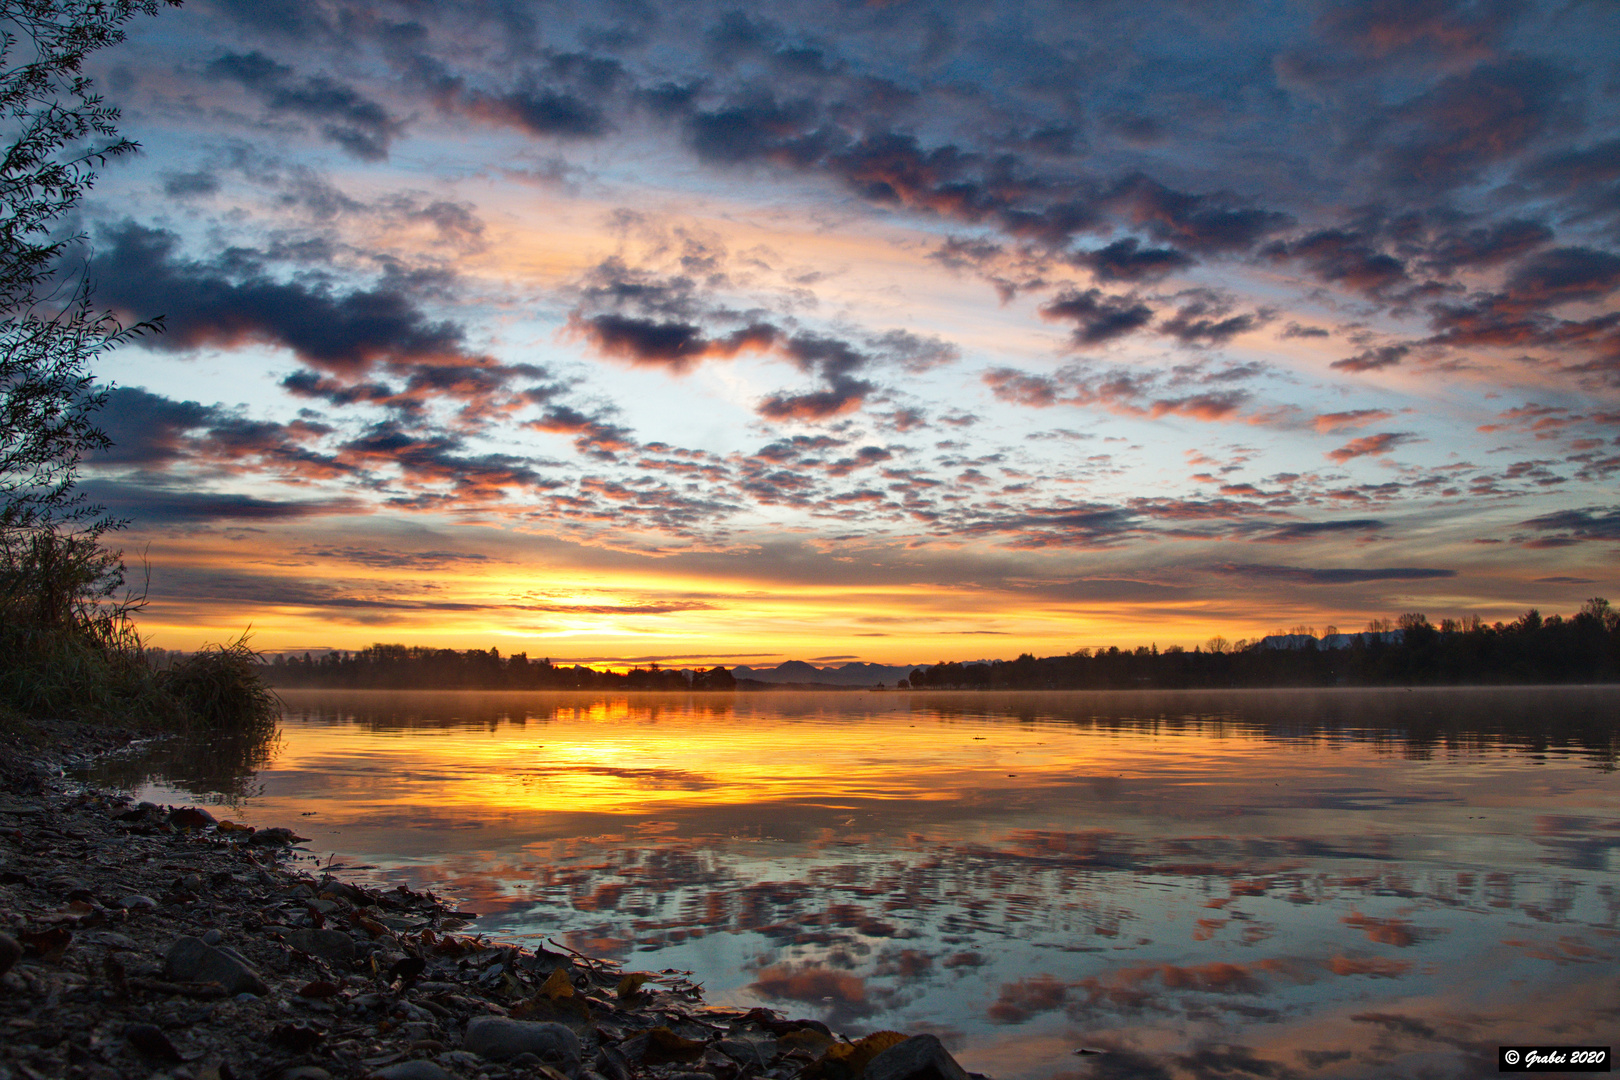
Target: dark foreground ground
155	942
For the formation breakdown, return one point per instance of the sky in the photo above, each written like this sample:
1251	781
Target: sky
894	331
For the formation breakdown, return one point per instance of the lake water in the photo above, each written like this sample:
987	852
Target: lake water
1337	884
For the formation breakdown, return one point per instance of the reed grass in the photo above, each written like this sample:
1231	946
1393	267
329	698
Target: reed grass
70	647
221	687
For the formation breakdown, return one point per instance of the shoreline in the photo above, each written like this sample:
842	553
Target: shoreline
138	940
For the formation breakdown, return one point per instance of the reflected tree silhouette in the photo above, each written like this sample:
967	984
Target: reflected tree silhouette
218	767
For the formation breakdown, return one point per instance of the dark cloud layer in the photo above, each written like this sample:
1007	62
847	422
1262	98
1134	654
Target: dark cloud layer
360	126
139	269
1332	575
1257	236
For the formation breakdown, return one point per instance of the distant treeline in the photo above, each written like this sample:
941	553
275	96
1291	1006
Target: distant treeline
401	667
1584	648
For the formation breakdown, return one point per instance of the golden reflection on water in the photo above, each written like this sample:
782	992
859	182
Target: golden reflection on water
1208	885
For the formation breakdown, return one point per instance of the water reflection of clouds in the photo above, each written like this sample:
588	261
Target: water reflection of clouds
1241	894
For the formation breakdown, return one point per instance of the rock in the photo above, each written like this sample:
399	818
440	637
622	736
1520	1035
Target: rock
150	1040
412	1070
498	1038
611	1063
189	960
191	817
213	937
921	1057
327	944
137	902
299	1038
755	1052
10	952
305	1072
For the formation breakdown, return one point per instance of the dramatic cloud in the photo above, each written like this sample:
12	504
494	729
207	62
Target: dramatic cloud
1373	359
1098	317
149	503
772	298
1382	443
360	126
1575	526
1332	576
673	345
1127	260
1470	121
1353	418
1563	275
202	304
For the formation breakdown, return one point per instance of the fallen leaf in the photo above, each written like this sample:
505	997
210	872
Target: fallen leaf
557	985
631	984
450	945
320	988
48	943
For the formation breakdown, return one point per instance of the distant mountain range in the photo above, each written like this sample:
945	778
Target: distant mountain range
797	671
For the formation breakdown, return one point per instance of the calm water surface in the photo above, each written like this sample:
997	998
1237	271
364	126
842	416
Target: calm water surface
1232	884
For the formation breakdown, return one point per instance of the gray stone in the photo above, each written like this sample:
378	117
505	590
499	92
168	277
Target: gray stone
137	902
921	1057
214	936
497	1038
326	944
412	1070
611	1063
462	1059
756	1052
189	960
228	951
305	1072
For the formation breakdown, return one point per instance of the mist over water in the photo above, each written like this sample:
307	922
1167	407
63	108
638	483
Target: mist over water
1320	884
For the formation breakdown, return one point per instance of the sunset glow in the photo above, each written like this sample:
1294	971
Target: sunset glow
897	332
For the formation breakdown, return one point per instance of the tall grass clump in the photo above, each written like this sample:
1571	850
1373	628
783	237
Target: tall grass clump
70	649
68	643
221	688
